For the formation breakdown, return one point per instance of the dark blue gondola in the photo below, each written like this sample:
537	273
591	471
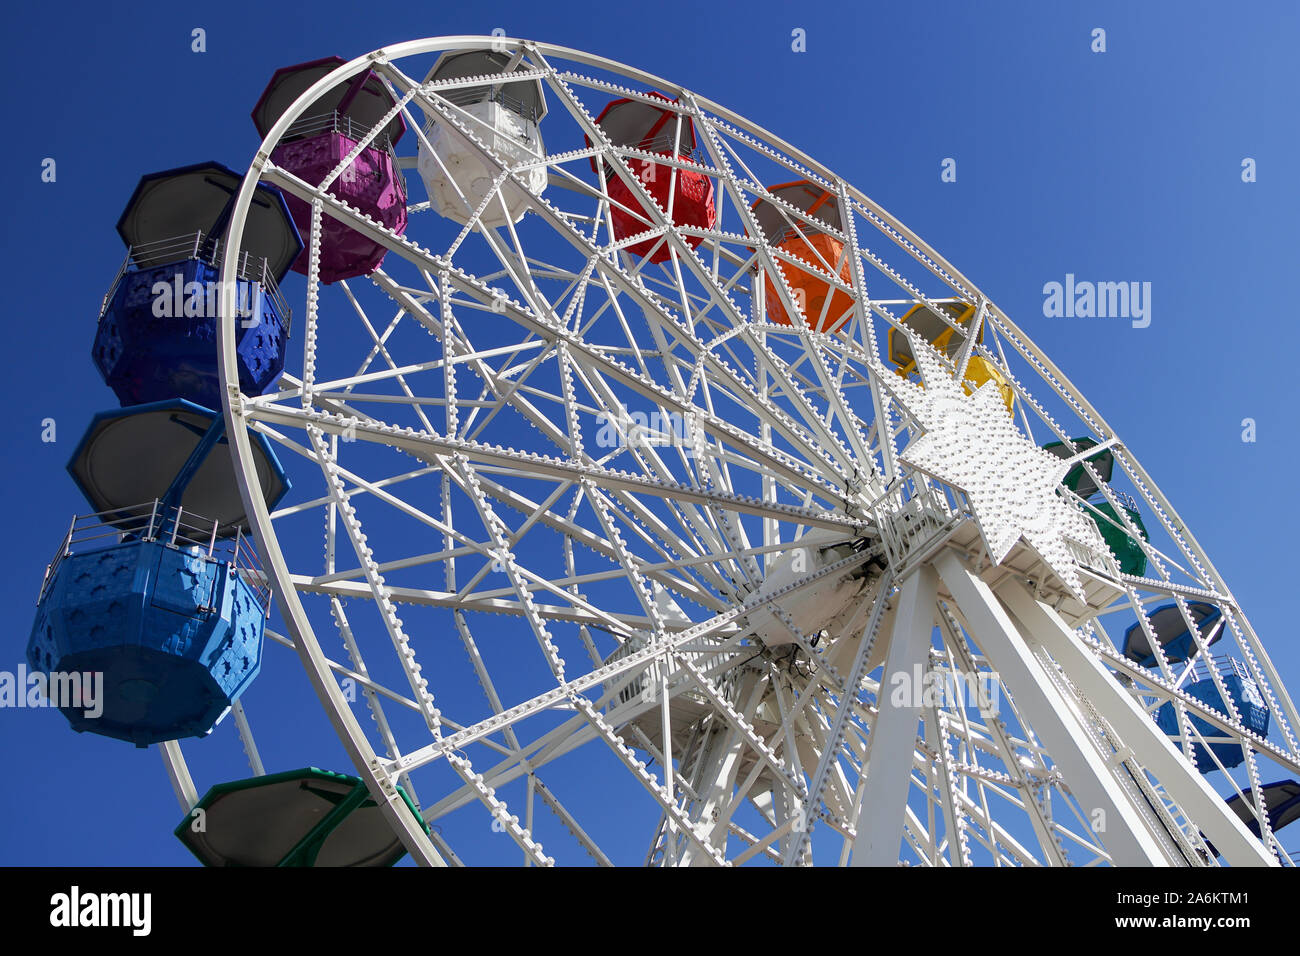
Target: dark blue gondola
165	617
1282	800
1250	705
1172	633
156	337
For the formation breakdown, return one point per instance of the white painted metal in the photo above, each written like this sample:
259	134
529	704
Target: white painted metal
178	772
662	528
1152	749
893	735
1054	716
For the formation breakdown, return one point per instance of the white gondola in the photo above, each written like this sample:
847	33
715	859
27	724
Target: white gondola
504	118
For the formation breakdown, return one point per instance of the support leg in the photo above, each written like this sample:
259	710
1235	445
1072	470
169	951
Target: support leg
892	743
1053	717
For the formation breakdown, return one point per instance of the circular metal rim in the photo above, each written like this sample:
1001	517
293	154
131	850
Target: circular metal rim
346	725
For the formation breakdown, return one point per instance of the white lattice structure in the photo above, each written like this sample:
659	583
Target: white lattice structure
717	636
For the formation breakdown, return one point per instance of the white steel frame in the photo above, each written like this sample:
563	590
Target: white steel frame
784	747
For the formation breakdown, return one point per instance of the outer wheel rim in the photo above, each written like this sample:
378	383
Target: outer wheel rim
345	723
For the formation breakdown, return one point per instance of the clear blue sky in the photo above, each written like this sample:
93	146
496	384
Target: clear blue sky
1117	166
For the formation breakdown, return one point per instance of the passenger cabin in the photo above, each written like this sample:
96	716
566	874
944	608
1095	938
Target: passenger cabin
156	336
947	330
1132	559
168	615
1245	695
799	233
684	195
1077	478
1128	552
298	818
505	117
334	128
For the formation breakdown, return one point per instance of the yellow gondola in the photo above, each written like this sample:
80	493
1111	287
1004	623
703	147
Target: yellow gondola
923	321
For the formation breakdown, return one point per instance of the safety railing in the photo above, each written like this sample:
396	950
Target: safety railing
112	288
171	525
666	141
1125	499
345	125
663	146
334	122
1224	663
915	513
802	231
469	95
205	248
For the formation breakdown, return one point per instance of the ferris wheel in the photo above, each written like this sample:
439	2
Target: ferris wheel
653	487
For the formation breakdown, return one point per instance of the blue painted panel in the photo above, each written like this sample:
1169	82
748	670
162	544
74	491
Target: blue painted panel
157	338
1250	704
132	612
185	581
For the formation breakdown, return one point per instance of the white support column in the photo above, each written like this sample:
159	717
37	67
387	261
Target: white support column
892	744
179	774
788	809
1052	716
718	780
1152	749
947	790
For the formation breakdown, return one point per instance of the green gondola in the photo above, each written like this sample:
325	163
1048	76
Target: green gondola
1077	478
1129	554
305	817
1127	551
